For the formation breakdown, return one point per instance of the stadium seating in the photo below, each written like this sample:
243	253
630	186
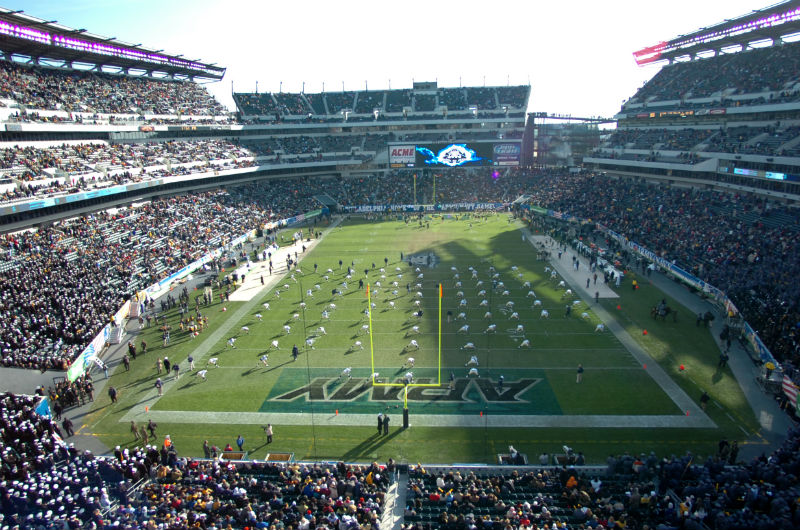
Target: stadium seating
368	102
397	100
87	267
491	102
482	97
770	69
75	91
66	168
730	241
338	101
453	98
46	484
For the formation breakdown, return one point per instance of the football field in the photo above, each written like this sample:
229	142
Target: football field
469	330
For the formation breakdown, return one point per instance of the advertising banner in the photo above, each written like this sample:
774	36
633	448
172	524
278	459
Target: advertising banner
507	154
401	156
460	206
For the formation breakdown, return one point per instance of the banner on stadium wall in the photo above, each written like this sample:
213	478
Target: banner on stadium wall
758	346
122	314
296	219
465	206
86	358
272	225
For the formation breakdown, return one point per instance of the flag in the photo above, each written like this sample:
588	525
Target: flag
43	408
790	389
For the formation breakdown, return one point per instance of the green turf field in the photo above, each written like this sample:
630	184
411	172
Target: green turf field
318	414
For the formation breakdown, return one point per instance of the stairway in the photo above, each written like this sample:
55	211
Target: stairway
395	504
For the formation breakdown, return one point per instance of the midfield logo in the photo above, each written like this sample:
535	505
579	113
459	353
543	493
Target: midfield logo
464	391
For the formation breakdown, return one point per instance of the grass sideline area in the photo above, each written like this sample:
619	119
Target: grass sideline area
539	380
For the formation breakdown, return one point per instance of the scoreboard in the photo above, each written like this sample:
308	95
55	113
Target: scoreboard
444	155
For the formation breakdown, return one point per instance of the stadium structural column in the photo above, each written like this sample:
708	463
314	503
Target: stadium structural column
405	406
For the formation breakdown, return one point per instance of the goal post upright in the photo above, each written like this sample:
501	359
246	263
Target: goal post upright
439	355
438	382
371	348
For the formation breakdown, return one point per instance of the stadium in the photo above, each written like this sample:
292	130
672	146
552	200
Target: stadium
419	307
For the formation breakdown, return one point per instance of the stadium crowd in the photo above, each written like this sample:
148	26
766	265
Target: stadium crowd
634	491
30	163
75	91
46	484
727	240
60	285
756	140
773	68
453	186
740	244
362	105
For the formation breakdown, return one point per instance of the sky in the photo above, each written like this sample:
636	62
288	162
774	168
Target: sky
576	55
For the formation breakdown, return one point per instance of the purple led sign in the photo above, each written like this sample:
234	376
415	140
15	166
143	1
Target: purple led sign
99	48
653	53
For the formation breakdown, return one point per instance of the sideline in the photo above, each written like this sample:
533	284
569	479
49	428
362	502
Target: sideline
203	349
252	287
659	376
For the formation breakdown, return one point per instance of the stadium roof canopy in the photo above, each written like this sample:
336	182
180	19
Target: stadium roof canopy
768	24
24	35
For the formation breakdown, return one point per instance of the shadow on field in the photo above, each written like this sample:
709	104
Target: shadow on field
269	369
365	448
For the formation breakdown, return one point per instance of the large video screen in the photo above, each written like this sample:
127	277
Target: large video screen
443	155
